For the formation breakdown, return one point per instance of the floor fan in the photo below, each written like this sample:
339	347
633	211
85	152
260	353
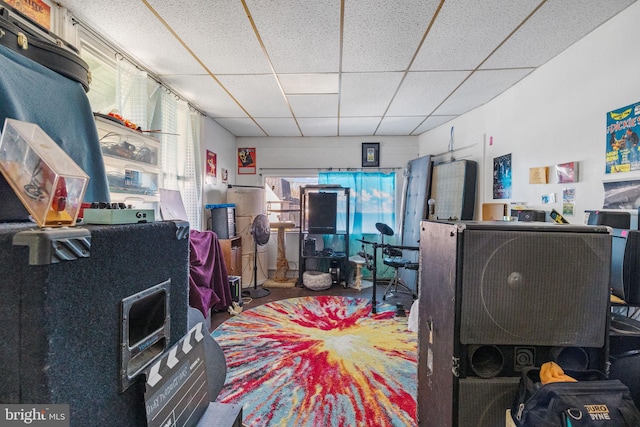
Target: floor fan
260	231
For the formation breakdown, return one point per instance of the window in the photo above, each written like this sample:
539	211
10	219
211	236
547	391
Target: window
283	196
120	85
372	198
102	64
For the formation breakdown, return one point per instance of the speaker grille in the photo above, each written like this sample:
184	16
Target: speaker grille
538	288
484	402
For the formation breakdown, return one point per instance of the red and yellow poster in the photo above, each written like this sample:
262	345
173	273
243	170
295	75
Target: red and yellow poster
212	163
36	10
246	161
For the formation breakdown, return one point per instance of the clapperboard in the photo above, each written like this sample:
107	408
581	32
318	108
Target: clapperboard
177	392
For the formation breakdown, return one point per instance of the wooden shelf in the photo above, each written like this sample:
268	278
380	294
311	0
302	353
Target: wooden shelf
232	253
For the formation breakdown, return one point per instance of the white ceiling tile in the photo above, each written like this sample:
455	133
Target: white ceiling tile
218	32
465	33
299	36
259	95
383	35
141	41
240	126
358	126
422	92
398	125
212	98
432	122
367	94
557	25
314	105
479	89
279	126
325	126
310	83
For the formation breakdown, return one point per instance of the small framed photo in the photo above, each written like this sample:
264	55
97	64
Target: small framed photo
370	154
567	172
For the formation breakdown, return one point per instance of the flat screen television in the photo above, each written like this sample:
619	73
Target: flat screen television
625	265
322	212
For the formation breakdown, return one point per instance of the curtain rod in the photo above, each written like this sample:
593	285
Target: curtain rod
125	56
330	169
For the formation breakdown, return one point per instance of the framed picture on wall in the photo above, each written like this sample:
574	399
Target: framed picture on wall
370	154
567	172
502	177
246	161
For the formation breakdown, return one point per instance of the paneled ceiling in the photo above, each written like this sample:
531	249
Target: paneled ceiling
341	67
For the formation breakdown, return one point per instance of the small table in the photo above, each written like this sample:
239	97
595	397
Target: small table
282	265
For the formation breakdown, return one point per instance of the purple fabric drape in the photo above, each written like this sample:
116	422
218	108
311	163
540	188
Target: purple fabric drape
208	279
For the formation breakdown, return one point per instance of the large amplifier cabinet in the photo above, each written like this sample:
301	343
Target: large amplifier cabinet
82	307
498	297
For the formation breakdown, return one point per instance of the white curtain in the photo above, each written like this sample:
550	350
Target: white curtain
131	93
180	138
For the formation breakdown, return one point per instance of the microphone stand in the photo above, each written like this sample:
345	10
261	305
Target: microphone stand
374	303
373	267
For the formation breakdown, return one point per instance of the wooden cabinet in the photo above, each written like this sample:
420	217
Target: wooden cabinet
232	253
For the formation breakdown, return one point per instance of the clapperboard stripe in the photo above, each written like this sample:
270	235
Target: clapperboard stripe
154	377
177	391
186	346
172	360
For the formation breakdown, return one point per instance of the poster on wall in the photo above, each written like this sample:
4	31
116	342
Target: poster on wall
568	201
567	172
622	195
502	177
212	163
36	10
622	139
246	161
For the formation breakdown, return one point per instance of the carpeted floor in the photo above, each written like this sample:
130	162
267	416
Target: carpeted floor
320	361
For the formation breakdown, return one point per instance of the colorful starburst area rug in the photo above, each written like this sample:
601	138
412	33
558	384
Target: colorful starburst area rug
320	361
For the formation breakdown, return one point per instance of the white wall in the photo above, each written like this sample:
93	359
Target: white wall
278	156
218	140
556	114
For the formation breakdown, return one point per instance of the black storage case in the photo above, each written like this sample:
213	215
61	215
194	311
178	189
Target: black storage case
223	220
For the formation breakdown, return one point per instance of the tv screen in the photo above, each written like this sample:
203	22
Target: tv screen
322	210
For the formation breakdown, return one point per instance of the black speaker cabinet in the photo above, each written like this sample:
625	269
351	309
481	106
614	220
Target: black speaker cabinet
497	297
82	308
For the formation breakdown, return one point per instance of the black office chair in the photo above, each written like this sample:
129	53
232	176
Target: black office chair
395	260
